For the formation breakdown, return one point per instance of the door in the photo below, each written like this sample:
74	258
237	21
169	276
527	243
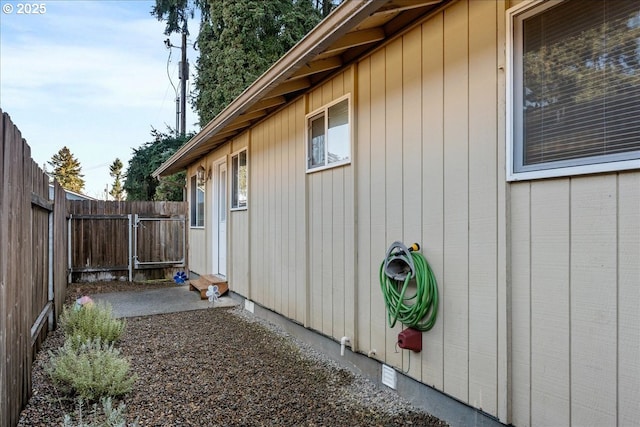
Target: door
222	219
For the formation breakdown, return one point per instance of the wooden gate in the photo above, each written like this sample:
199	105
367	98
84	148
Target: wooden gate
132	241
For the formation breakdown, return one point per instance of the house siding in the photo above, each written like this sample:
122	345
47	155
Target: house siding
538	318
238	231
427	170
277	212
331	232
575	251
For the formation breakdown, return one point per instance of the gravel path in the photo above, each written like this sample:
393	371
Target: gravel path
226	367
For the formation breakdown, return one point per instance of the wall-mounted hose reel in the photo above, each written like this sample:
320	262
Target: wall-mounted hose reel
401	267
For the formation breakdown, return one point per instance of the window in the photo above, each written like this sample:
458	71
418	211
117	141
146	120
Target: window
329	136
197	202
574	88
239	180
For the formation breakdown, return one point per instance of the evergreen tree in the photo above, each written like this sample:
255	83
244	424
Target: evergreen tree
66	170
176	13
139	184
115	170
239	40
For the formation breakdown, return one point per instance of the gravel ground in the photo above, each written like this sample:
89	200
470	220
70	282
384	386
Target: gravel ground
226	367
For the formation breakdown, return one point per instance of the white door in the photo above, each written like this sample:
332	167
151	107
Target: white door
222	219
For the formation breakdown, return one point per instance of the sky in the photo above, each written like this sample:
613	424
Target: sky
92	75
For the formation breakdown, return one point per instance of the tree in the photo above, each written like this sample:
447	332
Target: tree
66	170
176	13
239	40
139	184
115	170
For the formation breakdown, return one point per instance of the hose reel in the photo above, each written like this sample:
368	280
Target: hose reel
401	266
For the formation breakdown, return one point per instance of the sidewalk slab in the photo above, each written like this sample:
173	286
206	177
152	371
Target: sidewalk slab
158	301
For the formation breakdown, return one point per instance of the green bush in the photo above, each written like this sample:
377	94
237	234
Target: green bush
91	371
110	417
89	322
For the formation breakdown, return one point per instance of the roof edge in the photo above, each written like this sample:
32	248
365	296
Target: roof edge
340	21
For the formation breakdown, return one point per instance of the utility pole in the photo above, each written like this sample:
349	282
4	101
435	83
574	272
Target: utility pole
184	76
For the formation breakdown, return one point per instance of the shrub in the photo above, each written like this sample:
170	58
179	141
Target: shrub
110	417
91	371
89	322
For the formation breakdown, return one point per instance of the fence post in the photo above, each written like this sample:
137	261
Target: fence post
130	250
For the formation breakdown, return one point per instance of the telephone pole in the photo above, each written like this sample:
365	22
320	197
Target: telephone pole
184	76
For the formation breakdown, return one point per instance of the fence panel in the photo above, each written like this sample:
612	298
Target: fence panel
28	288
159	240
106	241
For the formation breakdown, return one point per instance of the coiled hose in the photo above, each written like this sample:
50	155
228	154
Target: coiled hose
418	311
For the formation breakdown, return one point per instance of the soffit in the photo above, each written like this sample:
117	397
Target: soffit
353	29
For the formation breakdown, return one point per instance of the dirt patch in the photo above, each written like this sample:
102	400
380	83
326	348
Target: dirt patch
221	367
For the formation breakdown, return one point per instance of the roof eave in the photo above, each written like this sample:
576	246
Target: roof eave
340	21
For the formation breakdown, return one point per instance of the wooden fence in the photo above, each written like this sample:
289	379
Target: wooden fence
126	240
33	266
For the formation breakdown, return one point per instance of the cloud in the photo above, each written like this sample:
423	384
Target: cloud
91	75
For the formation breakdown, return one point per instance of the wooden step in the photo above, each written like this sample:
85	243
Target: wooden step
202	283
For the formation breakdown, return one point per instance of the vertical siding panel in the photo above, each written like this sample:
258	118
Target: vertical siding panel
628	297
521	303
325	236
284	195
279	232
349	245
367	284
301	213
394	189
270	241
337	230
252	204
593	300
290	187
315	249
378	199
432	188
550	255
258	228
258	278
412	159
483	232
504	265
456	170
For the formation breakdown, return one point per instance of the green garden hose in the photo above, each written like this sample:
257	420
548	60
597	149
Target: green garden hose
418	311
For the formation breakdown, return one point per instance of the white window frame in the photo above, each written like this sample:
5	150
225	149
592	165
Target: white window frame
234	177
325	110
193	203
581	166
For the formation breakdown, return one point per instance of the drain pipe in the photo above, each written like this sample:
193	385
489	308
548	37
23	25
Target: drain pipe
344	341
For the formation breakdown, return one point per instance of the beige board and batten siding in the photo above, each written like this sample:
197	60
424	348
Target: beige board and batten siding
277	210
197	235
576	273
238	231
331	231
427	171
